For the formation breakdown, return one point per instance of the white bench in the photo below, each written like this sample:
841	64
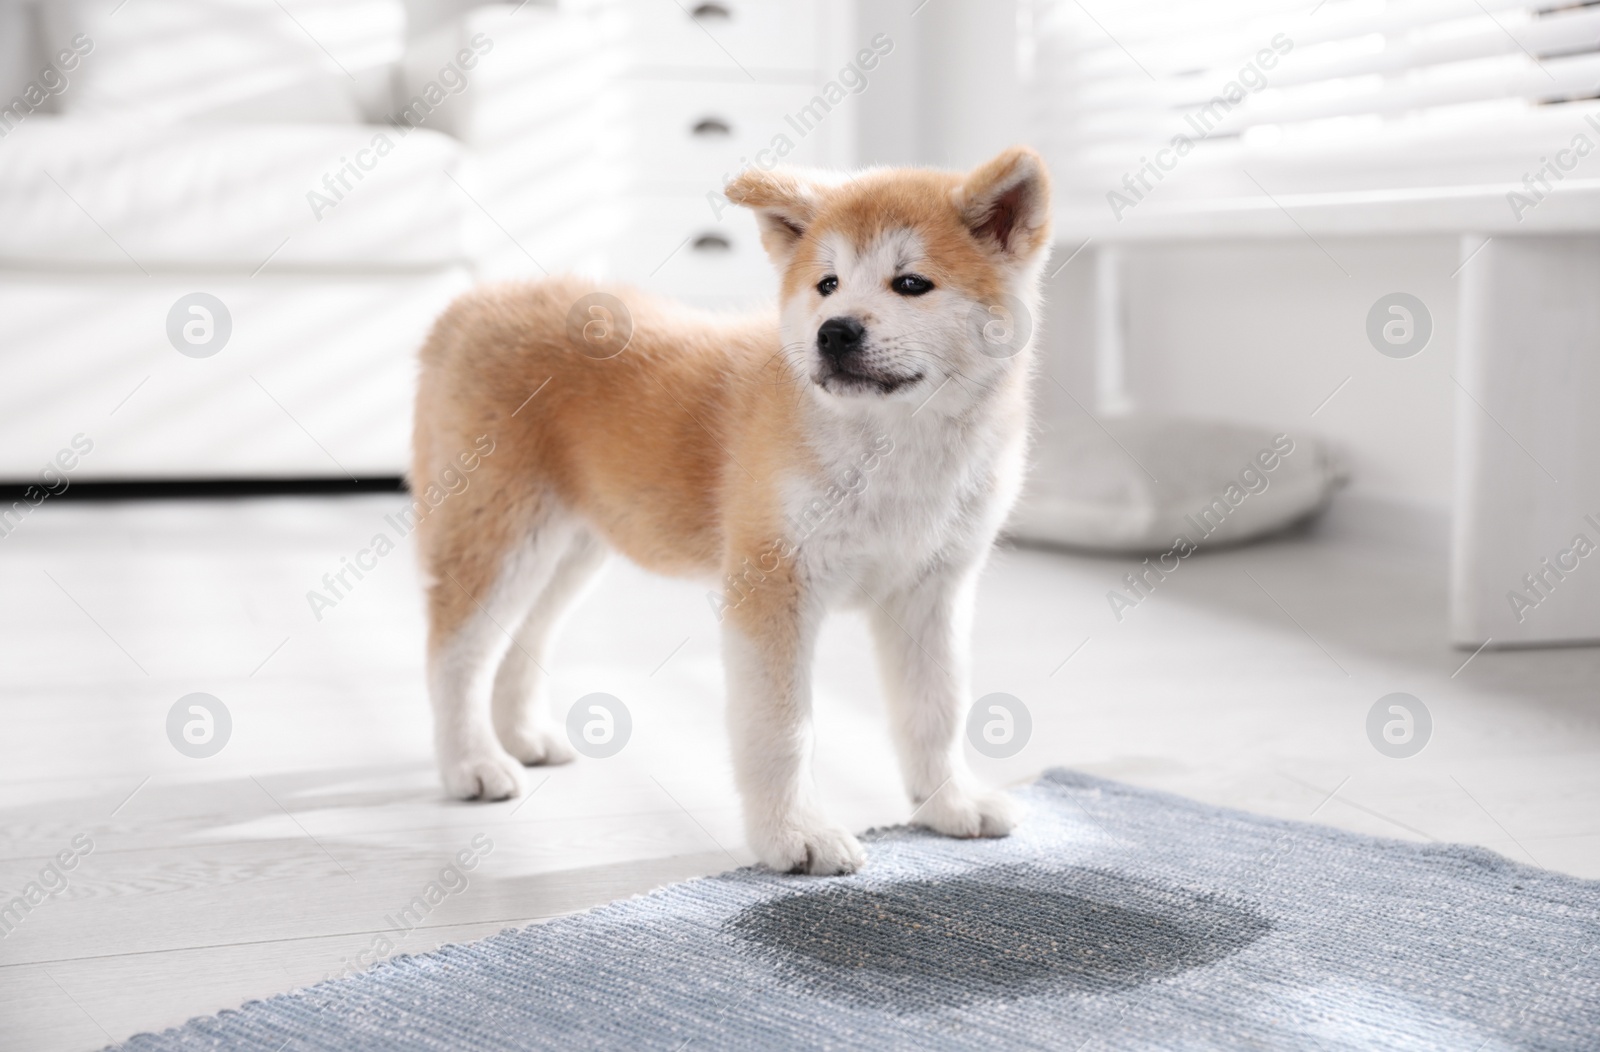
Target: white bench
1527	409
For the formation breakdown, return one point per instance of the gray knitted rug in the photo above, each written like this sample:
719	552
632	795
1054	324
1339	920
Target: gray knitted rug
1115	918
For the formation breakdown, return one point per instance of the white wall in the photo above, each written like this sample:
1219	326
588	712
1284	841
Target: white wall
1265	331
949	95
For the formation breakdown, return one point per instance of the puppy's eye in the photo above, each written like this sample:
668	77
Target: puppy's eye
828	285
911	285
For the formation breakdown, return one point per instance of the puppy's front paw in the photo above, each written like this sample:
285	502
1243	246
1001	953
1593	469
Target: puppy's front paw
959	812
482	774
534	746
815	847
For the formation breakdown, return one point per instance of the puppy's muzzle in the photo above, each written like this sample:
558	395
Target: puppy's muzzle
842	347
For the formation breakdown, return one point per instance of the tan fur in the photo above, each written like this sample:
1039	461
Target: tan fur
676	452
646	446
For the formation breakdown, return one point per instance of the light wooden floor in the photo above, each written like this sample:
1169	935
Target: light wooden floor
1245	681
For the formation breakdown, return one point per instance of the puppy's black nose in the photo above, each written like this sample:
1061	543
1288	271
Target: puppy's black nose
840	337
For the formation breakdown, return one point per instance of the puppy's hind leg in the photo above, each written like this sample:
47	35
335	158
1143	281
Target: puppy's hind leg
523	720
479	593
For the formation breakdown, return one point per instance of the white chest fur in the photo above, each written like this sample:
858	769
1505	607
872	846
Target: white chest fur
903	491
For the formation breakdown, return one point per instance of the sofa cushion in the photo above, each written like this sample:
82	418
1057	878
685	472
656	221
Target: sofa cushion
118	193
296	61
1139	483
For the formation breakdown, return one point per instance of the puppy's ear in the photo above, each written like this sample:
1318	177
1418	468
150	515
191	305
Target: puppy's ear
1006	204
784	202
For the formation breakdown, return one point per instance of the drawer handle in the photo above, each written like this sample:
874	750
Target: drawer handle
712	126
702	12
712	243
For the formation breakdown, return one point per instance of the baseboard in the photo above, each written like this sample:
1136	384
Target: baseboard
170	489
1392	522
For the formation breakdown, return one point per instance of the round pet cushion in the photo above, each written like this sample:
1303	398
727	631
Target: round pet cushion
1139	483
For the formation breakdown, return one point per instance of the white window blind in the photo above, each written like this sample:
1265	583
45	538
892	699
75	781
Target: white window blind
1145	100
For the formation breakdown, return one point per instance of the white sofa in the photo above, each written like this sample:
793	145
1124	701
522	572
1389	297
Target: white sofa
248	151
279	161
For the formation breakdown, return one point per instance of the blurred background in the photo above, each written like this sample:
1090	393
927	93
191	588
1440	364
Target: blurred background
1364	231
1238	184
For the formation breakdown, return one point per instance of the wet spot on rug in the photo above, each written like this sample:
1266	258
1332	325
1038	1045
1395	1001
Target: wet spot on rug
993	935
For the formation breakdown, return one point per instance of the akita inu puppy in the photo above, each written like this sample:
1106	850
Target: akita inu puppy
889	390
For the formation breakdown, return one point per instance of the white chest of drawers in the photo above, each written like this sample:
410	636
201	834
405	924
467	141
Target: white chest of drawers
705	90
